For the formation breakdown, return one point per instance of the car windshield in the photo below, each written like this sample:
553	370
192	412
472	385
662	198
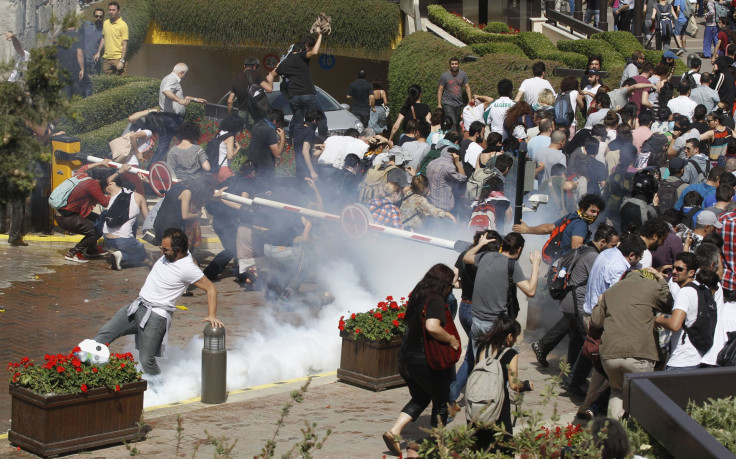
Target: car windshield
280	102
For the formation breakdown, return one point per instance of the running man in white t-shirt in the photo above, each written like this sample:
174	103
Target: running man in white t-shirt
149	316
531	87
496	111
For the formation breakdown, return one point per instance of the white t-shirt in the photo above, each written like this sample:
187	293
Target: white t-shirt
497	113
472	113
167	281
596	118
726	323
591	89
646	259
574	104
685	354
21	63
531	87
222	153
338	147
683	105
142	147
472	153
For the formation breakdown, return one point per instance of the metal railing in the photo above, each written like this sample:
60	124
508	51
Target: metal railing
575	22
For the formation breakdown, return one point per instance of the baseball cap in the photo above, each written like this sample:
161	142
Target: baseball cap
669	55
677	164
706	217
592	72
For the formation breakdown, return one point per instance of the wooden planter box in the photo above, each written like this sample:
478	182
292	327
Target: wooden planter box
55	424
370	364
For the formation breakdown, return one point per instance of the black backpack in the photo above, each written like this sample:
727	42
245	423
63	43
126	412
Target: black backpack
564	111
213	152
257	99
512	301
727	355
558	278
702	330
118	212
667	193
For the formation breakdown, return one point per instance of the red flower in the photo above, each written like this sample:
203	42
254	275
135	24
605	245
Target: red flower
76	349
394	305
357	330
378	316
122	365
60	369
352	316
84	388
395	322
117	388
94	370
389	298
401	315
24	360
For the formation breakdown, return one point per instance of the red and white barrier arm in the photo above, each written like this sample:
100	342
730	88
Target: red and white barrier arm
134	170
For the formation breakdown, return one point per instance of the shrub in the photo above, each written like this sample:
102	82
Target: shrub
101	83
96	142
370	25
482	49
463	31
623	42
611	58
422	57
496	27
110	106
537	46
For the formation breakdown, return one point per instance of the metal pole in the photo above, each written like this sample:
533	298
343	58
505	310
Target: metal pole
603	23
578	14
520	173
639	20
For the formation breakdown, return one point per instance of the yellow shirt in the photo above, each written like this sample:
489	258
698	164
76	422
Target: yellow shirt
114	33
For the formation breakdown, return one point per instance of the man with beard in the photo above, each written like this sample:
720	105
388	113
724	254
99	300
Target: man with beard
149	316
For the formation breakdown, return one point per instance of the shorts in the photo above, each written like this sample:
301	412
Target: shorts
680	28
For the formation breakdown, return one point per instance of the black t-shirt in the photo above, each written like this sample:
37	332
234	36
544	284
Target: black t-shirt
701	126
303	133
467	277
259	150
68	56
414	334
727	90
360	90
241	84
421	110
596	173
296	68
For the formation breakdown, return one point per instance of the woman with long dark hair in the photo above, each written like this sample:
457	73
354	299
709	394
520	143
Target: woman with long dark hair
413	109
498	343
229	147
425	385
519	113
181	209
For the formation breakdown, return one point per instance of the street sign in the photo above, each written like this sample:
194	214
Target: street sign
326	61
355	219
161	177
270	61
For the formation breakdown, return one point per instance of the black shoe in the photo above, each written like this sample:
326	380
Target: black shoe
18	243
541	358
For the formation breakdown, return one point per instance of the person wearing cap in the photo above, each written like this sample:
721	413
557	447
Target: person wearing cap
250	75
591	87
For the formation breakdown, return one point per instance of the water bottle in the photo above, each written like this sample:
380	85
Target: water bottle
563	273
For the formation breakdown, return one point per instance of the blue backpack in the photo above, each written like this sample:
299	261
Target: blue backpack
60	196
564	111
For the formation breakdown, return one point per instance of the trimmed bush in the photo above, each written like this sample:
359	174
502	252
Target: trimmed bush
623	42
421	58
96	142
482	49
496	27
463	31
101	83
611	58
536	46
370	25
107	107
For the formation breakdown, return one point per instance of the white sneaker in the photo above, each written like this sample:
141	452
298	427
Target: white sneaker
117	260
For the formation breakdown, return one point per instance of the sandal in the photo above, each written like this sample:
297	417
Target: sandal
391	443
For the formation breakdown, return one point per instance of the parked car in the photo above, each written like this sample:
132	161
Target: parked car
339	118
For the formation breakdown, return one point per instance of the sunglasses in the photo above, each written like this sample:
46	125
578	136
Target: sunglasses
679	269
99	16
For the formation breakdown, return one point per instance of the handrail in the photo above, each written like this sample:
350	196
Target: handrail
556	18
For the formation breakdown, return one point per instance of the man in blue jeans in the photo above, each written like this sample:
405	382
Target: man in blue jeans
126	248
149	316
301	92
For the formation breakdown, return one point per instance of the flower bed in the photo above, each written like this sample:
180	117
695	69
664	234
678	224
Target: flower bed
382	323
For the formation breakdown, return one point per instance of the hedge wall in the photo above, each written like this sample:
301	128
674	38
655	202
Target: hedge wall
482	49
370	25
611	58
623	42
421	58
101	83
537	46
463	31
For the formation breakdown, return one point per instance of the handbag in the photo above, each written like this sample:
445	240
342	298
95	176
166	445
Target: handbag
592	343
727	355
121	148
440	356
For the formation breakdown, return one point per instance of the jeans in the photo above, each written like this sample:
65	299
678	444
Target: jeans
17	209
694	367
299	107
363	115
592	14
579	365
226	229
709	40
171	123
90	68
149	338
478	329
461	378
286	267
454	112
425	385
132	250
624	20
78	225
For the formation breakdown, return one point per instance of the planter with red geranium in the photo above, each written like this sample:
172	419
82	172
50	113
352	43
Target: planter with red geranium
370	346
68	405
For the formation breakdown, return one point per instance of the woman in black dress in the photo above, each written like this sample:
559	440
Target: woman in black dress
413	109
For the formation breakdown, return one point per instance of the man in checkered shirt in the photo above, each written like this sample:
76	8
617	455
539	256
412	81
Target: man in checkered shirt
383	210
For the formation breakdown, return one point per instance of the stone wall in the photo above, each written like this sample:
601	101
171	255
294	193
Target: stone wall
29	19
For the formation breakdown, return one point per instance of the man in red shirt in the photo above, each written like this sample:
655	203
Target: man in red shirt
77	217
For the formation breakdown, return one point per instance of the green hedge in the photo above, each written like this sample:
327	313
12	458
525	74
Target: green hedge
101	83
482	49
537	46
370	25
463	31
96	142
110	106
611	58
623	42
421	57
496	27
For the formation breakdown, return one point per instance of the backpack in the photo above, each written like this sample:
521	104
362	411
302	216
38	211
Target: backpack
213	152
257	99
702	175
483	217
553	247
484	391
118	212
428	158
687	220
667	193
558	279
564	111
702	330
688	76
60	196
478	179
727	355
721	11
372	184
687	10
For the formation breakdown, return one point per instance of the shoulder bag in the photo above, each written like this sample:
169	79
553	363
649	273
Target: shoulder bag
440	356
